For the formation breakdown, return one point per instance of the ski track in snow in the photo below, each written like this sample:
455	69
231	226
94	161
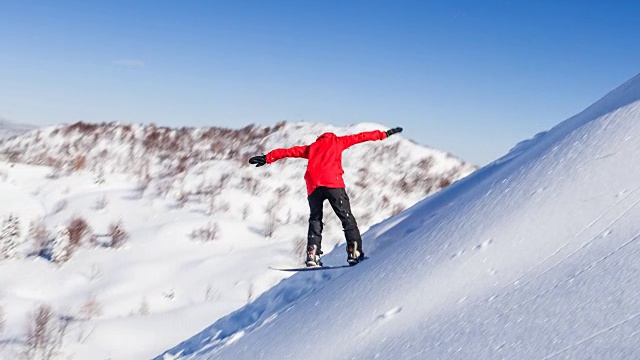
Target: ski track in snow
600	233
579	272
596	334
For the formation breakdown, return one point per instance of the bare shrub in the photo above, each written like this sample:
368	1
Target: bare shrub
208	233
246	210
79	163
57	170
299	246
251	293
386	202
429	185
426	163
403	185
271	224
282	191
211	294
79	230
90	308
143	185
118	234
224	181
366	218
182	199
301	220
397	209
250	184
224	207
63	324
169	294
40	339
82	128
163	187
272	206
363	178
3	320
216	205
361	183
444	182
101	203
100	177
144	309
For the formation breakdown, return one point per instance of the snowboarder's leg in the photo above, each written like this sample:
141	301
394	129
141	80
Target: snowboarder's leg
314	236
339	201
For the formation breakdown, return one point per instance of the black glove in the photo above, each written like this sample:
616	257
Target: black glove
393	131
258	160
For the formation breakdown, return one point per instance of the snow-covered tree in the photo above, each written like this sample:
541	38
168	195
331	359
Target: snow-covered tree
10	237
209	232
61	251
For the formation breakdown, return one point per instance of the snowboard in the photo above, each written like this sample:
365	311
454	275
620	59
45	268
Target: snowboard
316	268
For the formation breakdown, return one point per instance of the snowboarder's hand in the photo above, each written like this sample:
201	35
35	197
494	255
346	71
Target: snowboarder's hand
258	160
393	131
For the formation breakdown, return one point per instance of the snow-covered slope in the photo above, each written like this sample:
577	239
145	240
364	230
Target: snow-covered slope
203	225
9	129
532	257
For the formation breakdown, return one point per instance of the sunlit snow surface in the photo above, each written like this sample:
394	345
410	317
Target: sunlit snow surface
534	256
162	286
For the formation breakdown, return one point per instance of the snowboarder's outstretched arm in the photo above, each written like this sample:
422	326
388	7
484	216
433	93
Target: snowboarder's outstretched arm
351	140
277	154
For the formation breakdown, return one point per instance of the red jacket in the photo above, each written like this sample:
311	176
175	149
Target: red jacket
325	157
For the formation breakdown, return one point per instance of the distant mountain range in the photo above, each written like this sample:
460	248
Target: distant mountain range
9	129
188	163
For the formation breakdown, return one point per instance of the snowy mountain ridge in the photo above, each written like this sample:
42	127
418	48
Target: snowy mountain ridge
165	157
531	257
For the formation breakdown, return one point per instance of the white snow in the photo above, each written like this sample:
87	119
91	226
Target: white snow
162	286
532	257
9	129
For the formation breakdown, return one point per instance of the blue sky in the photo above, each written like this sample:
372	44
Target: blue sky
469	77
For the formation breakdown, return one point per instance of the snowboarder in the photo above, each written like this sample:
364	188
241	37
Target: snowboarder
324	182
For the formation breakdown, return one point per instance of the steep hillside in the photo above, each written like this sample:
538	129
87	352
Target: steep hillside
134	237
531	257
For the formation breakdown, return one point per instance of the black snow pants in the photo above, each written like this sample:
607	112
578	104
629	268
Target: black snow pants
339	201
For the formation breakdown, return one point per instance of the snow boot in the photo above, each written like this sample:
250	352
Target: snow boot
313	256
354	256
